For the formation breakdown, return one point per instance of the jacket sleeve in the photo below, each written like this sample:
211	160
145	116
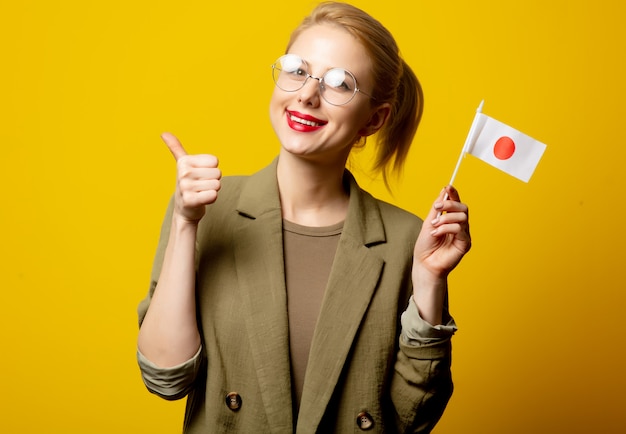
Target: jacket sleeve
422	383
173	382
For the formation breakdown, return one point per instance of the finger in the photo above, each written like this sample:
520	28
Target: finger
202	161
450	218
174	145
438	204
451	201
200	185
452	192
448	208
195	199
201	173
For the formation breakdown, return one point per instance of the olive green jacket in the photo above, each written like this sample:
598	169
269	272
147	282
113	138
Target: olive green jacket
361	374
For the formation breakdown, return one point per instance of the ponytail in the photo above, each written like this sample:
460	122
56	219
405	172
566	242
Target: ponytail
395	137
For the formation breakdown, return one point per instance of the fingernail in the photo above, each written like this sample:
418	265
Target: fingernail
438	205
434	232
434	221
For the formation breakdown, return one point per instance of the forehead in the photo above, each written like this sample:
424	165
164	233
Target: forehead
327	46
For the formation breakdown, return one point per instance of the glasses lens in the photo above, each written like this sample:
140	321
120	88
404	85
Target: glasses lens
289	72
338	86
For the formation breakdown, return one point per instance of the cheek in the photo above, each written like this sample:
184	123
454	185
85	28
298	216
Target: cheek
273	101
275	108
360	119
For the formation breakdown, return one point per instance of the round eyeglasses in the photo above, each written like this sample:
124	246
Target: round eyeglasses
337	85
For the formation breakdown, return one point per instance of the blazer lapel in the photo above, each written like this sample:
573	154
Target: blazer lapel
352	283
260	271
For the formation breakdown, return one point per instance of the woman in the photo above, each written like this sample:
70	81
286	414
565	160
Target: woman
296	302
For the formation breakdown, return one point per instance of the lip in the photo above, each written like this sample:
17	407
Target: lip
302	122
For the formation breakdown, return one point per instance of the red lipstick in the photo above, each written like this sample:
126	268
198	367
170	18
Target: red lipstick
302	122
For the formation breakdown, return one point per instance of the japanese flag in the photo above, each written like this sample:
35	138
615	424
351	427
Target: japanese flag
504	147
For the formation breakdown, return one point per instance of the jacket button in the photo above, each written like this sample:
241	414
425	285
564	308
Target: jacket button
364	421
233	401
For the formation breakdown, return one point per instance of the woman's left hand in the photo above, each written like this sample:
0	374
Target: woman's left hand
445	236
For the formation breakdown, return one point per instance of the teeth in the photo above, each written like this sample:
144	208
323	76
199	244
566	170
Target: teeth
304	121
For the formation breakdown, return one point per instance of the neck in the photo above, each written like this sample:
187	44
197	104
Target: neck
311	194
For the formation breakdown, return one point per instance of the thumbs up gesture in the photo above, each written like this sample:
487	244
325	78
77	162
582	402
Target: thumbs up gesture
197	180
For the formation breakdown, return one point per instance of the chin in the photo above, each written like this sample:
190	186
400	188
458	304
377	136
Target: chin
299	149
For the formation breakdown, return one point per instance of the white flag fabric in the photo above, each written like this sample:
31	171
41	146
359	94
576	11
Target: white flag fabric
505	148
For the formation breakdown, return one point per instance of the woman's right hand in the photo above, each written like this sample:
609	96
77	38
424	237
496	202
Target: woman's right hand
197	180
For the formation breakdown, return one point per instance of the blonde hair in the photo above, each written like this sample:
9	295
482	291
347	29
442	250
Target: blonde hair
394	81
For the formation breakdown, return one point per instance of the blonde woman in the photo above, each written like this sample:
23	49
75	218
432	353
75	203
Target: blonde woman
292	300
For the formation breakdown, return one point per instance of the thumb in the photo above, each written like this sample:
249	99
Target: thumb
174	145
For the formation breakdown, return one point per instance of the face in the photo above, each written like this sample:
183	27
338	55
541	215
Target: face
308	126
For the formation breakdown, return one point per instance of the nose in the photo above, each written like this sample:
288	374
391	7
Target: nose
311	91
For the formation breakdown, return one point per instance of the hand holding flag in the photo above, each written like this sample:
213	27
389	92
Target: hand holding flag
501	146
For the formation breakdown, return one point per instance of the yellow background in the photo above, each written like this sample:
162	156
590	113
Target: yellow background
88	86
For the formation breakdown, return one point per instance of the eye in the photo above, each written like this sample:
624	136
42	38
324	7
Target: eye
339	79
299	72
293	65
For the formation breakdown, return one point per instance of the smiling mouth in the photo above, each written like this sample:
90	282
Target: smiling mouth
307	122
303	121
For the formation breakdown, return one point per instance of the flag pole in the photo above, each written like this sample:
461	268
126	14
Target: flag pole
468	139
466	145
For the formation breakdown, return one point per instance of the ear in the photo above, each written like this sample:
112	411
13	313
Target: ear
377	120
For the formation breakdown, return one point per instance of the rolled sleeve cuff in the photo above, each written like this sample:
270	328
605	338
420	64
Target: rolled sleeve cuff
416	332
173	382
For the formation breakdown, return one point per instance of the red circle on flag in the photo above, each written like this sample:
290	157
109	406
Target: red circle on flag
504	148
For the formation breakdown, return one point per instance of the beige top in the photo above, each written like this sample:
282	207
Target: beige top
309	253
